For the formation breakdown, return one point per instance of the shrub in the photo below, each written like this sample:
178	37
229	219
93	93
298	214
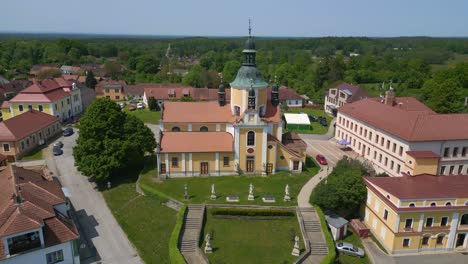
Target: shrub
174	252
250	212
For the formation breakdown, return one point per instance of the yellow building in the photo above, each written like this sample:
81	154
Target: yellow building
216	138
57	97
113	90
422	213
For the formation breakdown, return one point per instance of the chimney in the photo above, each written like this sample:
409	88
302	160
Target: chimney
390	96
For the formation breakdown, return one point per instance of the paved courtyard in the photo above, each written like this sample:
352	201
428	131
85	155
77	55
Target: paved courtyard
102	233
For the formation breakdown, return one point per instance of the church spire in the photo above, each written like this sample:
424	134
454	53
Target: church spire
249	49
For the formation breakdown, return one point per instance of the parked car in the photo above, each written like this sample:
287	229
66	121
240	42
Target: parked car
323	122
67	132
140	106
132	107
122	105
57	151
347	248
313	118
321	159
58	144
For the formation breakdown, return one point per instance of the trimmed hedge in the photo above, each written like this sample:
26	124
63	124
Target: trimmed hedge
174	252
250	212
330	258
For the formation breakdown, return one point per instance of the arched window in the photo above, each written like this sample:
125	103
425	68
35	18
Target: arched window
433	204
250	138
464	220
412	205
448	204
440	239
388	196
176	129
203	129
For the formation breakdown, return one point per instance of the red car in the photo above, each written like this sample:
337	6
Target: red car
321	159
132	107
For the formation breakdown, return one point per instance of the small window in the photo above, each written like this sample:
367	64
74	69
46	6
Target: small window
442	170
226	161
406	242
204	129
444	221
20	108
400	152
464	151
388	196
425	240
409	223
40	108
448	204
440	239
270	146
250	138
30	108
429	221
385	214
117	97
433	204
176	129
398	169
455	152
6	147
281	157
237	110
175	162
54	257
446	152
412	205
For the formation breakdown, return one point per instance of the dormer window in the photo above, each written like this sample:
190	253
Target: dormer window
24	242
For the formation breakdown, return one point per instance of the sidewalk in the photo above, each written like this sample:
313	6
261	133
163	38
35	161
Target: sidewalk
375	254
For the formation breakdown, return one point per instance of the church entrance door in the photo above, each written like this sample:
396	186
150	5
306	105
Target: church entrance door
204	168
250	164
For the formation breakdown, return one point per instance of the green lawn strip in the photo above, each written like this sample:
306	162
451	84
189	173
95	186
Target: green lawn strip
145	115
356	241
250	240
317	128
378	244
147	223
199	188
174	252
330	258
36	154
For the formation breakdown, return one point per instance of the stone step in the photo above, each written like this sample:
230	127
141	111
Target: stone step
306	209
318	249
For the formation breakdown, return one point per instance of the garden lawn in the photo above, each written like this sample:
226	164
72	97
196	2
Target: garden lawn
356	241
147	223
317	128
145	115
36	154
247	240
199	188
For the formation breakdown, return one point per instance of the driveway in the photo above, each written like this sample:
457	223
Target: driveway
155	129
327	147
101	230
452	258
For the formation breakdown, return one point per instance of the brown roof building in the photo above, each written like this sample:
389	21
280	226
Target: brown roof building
34	217
342	94
395	133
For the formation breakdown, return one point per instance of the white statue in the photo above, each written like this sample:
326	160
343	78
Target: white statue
287	196
251	195
296	250
208	248
213	192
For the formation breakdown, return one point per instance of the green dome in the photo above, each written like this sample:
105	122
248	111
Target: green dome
245	75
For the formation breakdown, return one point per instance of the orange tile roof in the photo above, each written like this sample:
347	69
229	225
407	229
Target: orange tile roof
196	112
185	142
408	119
422	154
46	91
25	124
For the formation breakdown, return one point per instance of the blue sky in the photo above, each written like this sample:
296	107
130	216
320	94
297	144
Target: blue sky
310	18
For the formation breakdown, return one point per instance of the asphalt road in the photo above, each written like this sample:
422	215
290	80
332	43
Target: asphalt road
98	225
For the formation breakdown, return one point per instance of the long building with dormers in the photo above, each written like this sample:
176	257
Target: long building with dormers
243	136
402	136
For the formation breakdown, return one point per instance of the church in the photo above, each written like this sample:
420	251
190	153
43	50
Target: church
243	136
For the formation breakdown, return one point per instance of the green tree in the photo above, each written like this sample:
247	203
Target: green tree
343	191
50	73
147	64
110	140
153	104
90	80
444	97
196	77
113	69
230	70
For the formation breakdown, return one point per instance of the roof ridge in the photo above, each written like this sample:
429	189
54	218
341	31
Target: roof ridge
34	184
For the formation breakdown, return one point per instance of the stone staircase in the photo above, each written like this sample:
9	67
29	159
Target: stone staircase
190	235
317	244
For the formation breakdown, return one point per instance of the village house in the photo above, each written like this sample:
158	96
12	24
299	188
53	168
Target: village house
111	89
342	94
57	97
402	136
23	133
421	213
220	138
35	225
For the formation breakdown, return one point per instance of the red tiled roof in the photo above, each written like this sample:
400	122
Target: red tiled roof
196	142
357	92
422	154
48	90
23	125
5	105
27	200
409	119
423	186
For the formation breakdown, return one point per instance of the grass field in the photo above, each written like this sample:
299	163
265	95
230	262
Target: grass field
145	115
317	128
450	63
34	155
356	241
199	188
247	240
147	223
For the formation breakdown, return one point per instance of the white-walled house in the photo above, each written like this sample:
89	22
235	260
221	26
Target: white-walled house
397	133
342	94
35	226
